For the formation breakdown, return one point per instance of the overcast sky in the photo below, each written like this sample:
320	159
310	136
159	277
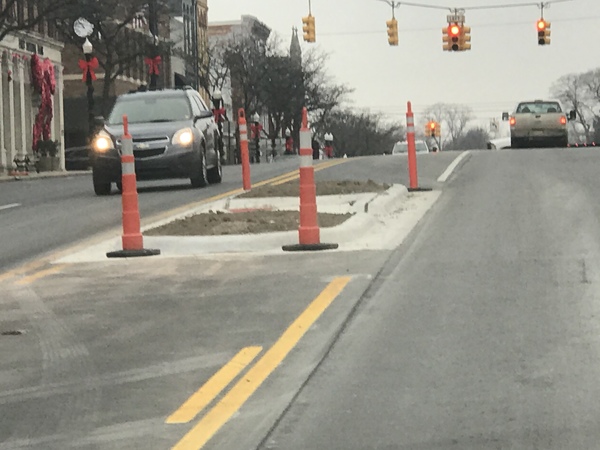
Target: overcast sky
504	66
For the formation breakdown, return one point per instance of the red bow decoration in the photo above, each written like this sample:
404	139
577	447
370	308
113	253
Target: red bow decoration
90	66
219	113
152	64
256	129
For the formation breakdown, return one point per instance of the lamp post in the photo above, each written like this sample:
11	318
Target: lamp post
329	145
256	128
154	60
91	64
220	114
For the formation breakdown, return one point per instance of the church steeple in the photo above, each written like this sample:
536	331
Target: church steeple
295	50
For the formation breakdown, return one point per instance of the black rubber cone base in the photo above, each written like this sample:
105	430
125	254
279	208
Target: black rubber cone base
133	253
308	247
419	189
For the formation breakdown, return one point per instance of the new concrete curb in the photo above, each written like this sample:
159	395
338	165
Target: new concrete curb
368	222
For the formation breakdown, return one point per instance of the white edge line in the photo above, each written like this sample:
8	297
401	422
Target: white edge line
12	205
443	177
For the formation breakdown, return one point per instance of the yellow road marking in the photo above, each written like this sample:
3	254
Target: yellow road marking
213	387
41	274
285	180
296	175
243	389
274	179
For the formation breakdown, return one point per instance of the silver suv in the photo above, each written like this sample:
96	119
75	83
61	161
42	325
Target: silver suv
174	136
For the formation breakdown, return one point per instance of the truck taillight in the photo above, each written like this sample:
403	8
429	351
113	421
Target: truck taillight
563	120
512	121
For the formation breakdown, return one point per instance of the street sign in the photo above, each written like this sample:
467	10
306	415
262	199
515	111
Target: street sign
455	18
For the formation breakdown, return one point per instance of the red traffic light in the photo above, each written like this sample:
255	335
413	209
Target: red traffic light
432	125
454	30
541	25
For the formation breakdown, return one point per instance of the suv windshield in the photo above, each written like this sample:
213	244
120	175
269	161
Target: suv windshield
150	109
538	107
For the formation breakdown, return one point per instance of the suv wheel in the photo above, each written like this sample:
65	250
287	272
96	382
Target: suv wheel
215	175
101	187
200	178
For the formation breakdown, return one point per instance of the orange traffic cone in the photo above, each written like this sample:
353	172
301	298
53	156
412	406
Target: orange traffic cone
132	239
308	232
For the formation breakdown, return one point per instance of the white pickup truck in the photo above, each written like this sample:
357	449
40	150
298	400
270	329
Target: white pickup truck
539	123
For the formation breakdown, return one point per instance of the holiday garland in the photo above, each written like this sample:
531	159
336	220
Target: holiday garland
44	83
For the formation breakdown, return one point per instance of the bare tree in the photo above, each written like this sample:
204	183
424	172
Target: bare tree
322	94
474	138
265	79
20	15
362	133
577	92
453	118
218	72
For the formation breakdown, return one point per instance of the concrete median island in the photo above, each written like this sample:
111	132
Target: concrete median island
272	208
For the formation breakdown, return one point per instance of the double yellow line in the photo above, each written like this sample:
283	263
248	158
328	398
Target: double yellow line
293	176
233	400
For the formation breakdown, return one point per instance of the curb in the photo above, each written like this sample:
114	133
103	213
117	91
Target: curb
42	175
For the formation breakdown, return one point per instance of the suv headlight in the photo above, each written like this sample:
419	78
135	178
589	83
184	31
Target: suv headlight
102	142
183	137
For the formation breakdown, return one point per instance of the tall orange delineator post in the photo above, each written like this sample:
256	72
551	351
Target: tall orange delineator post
308	231
132	239
412	152
244	152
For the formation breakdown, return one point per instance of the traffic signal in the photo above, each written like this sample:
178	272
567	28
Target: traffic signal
308	26
464	40
392	31
432	126
445	39
543	29
450	37
432	129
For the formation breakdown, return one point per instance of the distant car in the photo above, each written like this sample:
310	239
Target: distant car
498	143
539	123
402	147
77	158
174	136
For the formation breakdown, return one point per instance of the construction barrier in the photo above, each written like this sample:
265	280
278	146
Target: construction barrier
308	231
132	239
244	152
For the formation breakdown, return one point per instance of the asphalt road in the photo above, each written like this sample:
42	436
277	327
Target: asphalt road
482	331
103	355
